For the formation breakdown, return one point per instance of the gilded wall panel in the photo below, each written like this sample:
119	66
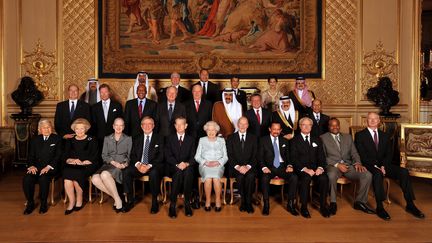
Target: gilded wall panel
340	53
79	31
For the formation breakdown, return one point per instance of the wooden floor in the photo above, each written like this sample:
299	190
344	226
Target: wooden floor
100	224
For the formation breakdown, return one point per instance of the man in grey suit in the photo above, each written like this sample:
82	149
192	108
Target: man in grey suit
343	159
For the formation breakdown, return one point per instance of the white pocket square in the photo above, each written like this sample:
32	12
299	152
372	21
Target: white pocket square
314	145
283	145
157	145
114	110
53	144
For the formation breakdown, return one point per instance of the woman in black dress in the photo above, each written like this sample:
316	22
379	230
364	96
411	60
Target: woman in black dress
81	156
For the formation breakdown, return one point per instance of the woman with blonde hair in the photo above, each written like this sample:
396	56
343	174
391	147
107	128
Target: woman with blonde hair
81	156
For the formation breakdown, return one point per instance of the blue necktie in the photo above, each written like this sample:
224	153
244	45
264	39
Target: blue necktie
276	160
144	159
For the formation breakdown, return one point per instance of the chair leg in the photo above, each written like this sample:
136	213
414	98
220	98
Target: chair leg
143	188
224	192
232	192
200	188
282	193
52	191
101	197
90	193
387	181
133	190
161	191
341	191
164	191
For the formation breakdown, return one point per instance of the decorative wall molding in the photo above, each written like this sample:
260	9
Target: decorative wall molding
340	55
378	63
79	41
41	65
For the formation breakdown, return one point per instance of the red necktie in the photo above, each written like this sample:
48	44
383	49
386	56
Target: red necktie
181	140
258	116
197	105
140	110
376	139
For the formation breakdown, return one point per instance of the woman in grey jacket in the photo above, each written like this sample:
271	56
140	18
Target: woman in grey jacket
115	155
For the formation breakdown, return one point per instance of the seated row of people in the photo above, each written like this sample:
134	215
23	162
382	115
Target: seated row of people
298	161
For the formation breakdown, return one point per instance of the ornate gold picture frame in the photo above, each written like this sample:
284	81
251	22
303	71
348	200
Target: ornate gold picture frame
416	149
249	38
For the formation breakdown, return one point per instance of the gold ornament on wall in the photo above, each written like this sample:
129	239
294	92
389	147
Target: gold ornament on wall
41	65
378	63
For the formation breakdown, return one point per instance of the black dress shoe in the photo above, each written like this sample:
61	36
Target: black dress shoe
412	209
363	207
218	209
382	214
266	209
172	212
305	213
332	208
242	208
43	208
188	211
154	208
69	211
118	210
250	209
127	207
76	208
29	208
292	208
325	212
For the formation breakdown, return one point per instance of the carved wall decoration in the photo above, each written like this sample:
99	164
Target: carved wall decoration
41	65
378	63
79	45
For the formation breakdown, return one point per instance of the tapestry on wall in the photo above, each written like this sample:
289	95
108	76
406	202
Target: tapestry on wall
250	38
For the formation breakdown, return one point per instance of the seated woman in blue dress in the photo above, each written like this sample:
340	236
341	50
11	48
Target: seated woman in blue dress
211	155
81	156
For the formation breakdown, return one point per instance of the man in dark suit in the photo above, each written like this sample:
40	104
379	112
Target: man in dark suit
179	156
275	162
136	109
376	152
320	120
43	161
183	94
240	94
168	111
146	159
104	113
307	154
68	111
343	160
210	90
242	156
259	118
198	113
